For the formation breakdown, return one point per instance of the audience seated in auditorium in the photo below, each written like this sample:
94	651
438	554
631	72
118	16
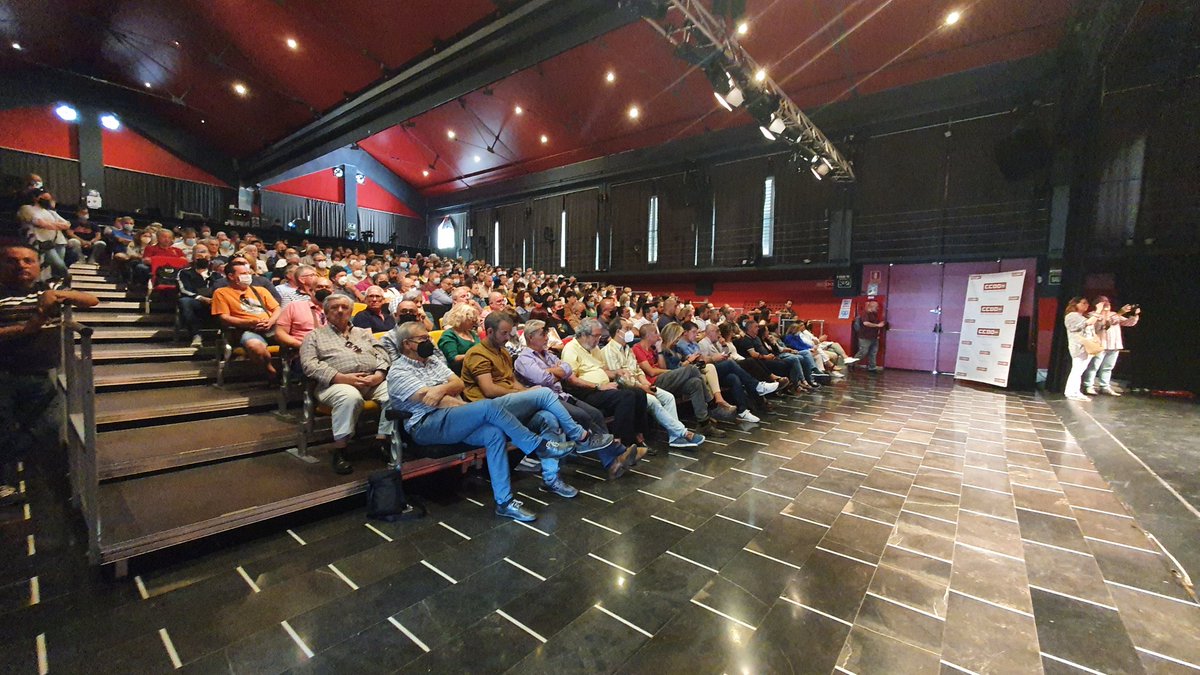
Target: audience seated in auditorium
301	317
84	239
660	403
376	317
349	367
195	295
250	311
685	381
729	375
420	383
461	333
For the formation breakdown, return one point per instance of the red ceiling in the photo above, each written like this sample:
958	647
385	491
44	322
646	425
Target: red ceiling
195	50
883	44
325	186
819	50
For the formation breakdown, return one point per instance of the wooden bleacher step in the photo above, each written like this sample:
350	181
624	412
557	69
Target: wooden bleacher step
97	285
111	375
107	352
111	304
109	295
150	404
96	318
115	334
129	452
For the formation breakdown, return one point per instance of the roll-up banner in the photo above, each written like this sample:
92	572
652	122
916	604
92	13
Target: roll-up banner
989	326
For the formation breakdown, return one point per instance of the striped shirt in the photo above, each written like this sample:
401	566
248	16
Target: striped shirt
408	376
33	353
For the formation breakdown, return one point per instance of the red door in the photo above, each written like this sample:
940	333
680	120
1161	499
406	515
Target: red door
914	295
954	295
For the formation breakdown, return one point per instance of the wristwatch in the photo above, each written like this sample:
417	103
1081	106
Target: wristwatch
597	387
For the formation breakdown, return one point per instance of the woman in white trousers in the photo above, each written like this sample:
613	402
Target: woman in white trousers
1079	326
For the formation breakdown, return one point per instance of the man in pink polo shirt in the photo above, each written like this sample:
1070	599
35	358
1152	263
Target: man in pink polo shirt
301	317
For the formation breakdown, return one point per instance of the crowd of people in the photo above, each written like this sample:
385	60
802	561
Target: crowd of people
539	360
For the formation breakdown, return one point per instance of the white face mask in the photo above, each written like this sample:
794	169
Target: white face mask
359	274
323	264
630	336
189	242
245	279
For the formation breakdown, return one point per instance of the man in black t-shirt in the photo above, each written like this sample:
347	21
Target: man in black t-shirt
83	239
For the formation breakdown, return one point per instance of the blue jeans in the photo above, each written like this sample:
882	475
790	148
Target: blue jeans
542	411
194	315
30	415
741	385
482	424
798	370
1099	371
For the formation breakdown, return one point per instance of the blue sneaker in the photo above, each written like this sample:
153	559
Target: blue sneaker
560	488
597	442
515	510
685	442
554	449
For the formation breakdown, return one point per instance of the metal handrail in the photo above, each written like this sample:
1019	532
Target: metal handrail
78	386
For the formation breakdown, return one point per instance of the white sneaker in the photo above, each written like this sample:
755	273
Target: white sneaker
836	375
1090	391
1109	391
851	360
765	388
197	342
1077	397
747	416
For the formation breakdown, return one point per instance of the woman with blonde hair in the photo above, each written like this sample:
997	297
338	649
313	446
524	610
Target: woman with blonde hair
462	333
671	335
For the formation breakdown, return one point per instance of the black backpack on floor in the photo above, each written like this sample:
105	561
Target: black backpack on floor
386	500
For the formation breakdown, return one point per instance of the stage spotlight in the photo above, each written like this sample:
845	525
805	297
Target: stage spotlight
763	108
729	94
820	167
110	122
777	126
66	113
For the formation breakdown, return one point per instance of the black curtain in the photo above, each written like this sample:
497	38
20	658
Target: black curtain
328	219
676	222
583	223
545	221
738	193
60	176
802	206
629	216
512	232
391	228
130	190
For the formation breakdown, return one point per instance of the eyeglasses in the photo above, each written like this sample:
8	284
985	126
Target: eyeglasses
356	348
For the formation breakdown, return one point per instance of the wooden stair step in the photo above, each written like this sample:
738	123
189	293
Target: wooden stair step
94	317
129	452
125	374
113	351
149	404
111	305
115	333
109	295
147	513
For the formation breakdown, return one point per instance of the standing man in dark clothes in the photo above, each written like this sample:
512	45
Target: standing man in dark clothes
868	325
30	317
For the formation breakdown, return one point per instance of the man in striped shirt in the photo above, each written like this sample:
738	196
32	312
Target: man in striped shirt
29	352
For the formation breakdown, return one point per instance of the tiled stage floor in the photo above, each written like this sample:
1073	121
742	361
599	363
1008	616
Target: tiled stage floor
893	524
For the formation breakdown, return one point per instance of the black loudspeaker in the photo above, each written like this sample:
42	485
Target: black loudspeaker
1024	151
1022	373
704	289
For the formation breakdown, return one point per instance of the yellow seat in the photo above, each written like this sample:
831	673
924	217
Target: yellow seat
436	335
368	406
358	307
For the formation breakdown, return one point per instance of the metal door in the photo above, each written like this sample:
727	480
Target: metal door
954	293
914	298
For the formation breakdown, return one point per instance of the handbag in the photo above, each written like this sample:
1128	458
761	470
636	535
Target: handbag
1091	345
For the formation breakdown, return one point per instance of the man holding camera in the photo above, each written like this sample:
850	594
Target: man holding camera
1097	379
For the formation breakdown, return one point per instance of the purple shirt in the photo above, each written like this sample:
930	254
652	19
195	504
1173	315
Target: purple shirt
533	370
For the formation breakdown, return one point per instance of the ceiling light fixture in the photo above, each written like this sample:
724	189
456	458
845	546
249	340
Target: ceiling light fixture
478	159
240	89
109	121
518	110
292	44
425	173
450	134
743	28
338	172
16	46
66	113
203	121
610	77
729	94
953	17
820	167
545	139
760	75
147	84
634	113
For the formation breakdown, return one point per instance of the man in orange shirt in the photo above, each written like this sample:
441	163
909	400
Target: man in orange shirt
250	310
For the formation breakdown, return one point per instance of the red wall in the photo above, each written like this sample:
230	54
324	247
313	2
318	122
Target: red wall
321	185
371	195
126	149
39	131
811	299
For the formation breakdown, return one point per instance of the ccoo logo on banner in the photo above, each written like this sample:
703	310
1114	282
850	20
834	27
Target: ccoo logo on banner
989	326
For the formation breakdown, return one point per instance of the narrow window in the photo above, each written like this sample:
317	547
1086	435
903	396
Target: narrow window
562	240
596	266
496	244
652	232
768	223
445	234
